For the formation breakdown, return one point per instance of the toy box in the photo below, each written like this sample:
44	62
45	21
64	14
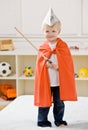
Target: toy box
6	44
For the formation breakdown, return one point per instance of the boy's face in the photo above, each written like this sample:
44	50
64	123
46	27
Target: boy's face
51	33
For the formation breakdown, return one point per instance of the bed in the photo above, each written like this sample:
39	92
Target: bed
21	114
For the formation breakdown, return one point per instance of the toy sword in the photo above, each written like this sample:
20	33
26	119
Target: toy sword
45	58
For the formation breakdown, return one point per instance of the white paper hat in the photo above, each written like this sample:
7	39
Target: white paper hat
50	18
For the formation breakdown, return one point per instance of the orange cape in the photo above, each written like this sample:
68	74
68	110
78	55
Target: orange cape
42	92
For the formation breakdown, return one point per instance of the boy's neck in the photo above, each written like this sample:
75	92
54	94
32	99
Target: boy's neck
52	42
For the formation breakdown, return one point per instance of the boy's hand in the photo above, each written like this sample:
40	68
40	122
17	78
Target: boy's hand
52	65
49	65
55	66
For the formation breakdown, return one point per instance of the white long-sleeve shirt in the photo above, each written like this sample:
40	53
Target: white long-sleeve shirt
53	74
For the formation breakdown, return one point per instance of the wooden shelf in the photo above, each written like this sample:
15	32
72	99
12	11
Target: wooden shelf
26	56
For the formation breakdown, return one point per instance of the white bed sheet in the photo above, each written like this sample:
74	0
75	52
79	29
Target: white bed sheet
21	114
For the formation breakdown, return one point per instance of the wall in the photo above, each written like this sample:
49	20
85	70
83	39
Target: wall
28	15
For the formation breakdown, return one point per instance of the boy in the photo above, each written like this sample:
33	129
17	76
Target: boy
54	78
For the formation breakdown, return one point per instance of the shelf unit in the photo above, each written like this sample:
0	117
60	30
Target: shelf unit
80	59
26	56
19	58
25	84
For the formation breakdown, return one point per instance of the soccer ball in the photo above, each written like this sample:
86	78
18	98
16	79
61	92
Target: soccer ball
5	69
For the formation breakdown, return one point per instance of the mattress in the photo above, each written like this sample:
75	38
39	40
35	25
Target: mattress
21	114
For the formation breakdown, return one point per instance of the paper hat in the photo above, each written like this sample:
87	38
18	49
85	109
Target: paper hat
50	18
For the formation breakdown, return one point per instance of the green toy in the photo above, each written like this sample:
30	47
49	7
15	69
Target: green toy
28	72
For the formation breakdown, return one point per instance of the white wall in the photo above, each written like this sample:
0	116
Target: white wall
9	16
28	15
68	11
85	17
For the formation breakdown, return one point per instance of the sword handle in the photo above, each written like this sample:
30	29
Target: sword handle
49	61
